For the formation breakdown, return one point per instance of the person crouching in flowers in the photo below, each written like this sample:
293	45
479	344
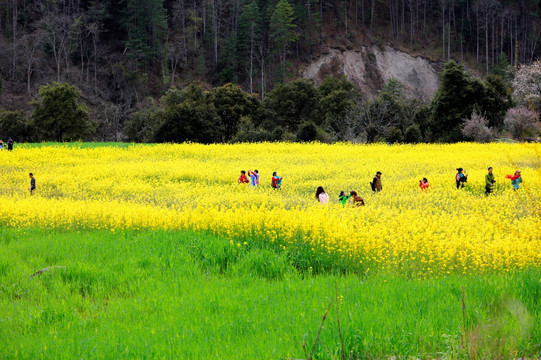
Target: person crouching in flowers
460	178
423	184
357	200
276	182
322	196
516	180
243	179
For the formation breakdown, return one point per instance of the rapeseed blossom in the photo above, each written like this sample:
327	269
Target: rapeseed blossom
194	187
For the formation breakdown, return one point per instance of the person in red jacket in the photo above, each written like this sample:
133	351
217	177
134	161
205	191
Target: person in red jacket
276	182
423	184
243	179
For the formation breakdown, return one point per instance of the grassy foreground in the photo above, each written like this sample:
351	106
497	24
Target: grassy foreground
177	294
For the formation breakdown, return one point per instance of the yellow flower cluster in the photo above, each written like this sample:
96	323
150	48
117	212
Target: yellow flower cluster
193	186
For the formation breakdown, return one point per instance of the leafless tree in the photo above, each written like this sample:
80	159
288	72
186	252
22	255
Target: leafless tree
29	50
375	119
347	127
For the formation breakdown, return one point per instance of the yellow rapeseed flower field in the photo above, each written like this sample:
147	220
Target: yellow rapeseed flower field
194	187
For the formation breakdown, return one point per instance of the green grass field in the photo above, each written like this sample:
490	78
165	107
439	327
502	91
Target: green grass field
160	294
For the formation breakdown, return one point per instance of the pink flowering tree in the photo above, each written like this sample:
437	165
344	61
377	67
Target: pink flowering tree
476	128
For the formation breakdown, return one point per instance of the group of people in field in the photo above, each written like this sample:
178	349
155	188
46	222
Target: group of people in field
461	178
253	180
323	198
9	144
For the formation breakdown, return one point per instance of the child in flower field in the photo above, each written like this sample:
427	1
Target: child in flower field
243	179
423	184
276	182
460	178
516	180
357	200
322	196
254	178
343	198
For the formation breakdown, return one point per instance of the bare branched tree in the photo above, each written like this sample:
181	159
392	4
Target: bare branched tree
29	49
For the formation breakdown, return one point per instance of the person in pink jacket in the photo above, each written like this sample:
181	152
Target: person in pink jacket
322	196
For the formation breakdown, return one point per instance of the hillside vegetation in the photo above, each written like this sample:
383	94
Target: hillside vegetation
120	53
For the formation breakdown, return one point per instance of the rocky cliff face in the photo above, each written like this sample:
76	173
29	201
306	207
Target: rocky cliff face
371	66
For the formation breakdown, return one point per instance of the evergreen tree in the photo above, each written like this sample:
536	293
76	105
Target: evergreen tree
192	118
292	104
338	97
459	94
496	102
502	68
282	31
15	125
58	116
249	35
231	105
145	22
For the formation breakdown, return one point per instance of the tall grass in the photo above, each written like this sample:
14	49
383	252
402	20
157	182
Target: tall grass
169	294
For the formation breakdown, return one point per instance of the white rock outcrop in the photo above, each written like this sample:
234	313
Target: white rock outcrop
371	66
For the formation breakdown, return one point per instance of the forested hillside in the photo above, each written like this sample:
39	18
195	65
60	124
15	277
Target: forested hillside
120	52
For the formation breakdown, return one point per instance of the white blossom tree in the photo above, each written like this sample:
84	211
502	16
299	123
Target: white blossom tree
527	86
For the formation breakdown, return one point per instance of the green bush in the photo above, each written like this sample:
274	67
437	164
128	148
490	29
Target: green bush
15	125
413	134
307	132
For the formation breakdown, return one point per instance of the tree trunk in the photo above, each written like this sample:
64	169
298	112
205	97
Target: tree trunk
215	30
449	30
14	32
424	20
362	11
477	34
262	52
372	16
309	17
443	27
346	16
252	35
486	38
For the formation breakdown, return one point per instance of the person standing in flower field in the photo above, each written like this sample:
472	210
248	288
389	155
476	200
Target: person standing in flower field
254	178
322	196
376	182
516	180
32	184
10	144
276	181
489	181
243	179
460	178
423	184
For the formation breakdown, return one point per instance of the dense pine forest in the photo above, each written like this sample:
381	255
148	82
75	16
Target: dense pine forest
237	64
